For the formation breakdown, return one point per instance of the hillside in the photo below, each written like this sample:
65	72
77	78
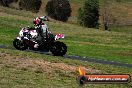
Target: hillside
119	10
21	69
80	41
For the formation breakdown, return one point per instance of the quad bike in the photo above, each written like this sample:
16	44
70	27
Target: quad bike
27	38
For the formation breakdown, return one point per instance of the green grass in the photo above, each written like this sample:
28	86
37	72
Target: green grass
15	78
20	72
126	29
19	69
108	45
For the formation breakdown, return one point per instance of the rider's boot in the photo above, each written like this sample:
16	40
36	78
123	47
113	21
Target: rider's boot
36	46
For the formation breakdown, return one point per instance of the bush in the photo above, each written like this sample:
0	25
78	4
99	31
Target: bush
58	9
30	5
5	2
89	14
1	3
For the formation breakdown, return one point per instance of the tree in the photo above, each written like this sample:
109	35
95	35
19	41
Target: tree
5	2
88	15
104	14
58	9
30	5
1	3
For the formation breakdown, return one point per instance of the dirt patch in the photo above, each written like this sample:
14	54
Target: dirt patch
74	7
125	53
40	65
46	66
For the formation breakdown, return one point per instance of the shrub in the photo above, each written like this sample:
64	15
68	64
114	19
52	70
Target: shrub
1	3
88	15
5	2
30	5
58	9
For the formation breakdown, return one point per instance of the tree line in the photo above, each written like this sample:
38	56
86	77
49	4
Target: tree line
88	14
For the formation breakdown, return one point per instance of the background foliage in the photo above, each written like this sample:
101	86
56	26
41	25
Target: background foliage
30	5
58	9
88	15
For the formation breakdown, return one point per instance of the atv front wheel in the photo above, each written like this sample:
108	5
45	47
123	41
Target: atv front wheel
58	48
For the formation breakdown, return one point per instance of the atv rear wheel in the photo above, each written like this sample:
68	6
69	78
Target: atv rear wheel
19	44
58	48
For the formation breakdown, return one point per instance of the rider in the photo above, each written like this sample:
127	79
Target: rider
39	25
41	28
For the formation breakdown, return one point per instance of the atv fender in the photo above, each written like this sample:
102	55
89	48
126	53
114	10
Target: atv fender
18	38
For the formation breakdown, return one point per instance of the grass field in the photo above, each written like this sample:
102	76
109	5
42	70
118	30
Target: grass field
108	45
19	69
